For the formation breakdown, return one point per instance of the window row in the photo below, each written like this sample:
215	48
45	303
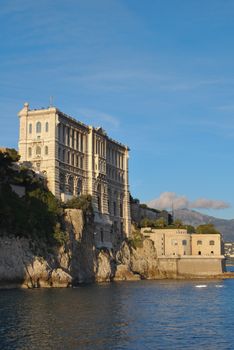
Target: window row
38	127
100	148
200	253
70	185
71	158
38	151
115	158
115	175
71	138
113	208
100	166
199	242
174	242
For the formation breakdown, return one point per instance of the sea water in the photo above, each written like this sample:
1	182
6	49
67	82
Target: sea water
127	315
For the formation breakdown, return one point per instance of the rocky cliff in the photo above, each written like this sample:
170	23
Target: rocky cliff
24	264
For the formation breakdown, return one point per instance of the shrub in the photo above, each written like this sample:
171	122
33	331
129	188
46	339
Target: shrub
83	202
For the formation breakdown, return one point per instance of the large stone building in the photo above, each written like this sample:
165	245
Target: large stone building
79	159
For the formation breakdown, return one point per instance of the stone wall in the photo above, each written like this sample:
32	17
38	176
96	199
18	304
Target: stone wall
191	266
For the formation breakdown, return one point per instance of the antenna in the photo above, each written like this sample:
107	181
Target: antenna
51	101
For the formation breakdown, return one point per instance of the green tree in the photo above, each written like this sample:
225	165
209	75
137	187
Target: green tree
190	229
178	223
83	202
161	222
207	229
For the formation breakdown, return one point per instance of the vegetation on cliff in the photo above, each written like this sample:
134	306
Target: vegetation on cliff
34	215
161	223
37	214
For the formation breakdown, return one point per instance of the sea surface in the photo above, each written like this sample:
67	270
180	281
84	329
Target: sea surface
127	315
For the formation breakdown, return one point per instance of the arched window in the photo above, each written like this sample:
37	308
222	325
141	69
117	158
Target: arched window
38	127
64	155
62	182
30	128
38	150
68	137
30	152
64	134
73	138
121	209
212	242
46	150
99	194
102	235
47	127
109	201
81	143
70	185
79	187
199	242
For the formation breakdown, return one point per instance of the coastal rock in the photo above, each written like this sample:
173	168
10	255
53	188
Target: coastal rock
141	261
144	260
105	267
123	273
37	274
29	265
60	278
78	255
123	255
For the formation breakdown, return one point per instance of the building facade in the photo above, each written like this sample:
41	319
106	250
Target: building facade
183	254
79	159
178	242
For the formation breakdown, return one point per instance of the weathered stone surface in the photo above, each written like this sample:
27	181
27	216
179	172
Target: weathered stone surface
78	256
77	261
123	273
105	267
144	261
60	278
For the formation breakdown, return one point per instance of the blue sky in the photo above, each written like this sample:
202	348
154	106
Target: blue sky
157	75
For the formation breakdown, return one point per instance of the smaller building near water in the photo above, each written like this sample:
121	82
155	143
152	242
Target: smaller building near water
183	253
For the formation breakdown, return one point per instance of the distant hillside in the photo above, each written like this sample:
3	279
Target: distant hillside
194	218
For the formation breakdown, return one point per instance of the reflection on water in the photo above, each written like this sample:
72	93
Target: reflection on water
131	315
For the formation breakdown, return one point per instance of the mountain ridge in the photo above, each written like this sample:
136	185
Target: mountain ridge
195	218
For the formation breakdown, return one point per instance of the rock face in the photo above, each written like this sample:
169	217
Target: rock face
78	255
76	261
19	267
105	266
139	263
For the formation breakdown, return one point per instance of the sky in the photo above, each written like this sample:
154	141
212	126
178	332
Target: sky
157	75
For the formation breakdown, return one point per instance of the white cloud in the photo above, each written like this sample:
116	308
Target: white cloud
168	199
98	118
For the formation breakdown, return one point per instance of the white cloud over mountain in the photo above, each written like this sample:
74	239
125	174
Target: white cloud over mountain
168	199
